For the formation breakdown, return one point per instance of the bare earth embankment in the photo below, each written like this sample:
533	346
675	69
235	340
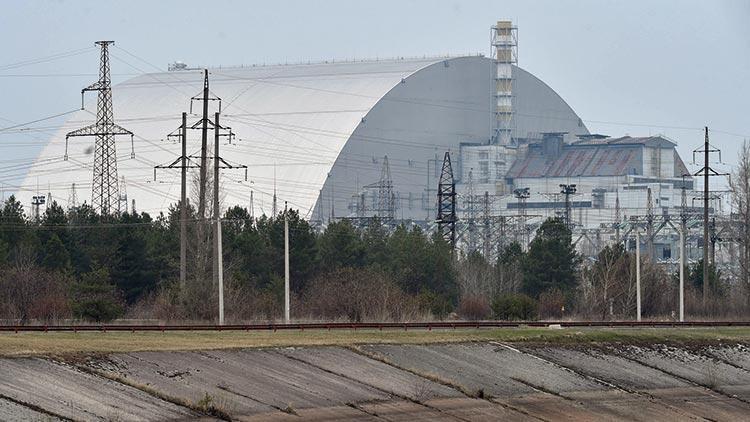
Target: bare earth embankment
486	374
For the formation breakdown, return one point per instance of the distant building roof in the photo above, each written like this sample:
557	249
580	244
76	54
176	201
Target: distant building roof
589	157
649	141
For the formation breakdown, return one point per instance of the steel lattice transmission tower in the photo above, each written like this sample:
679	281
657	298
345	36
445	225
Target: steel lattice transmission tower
386	198
446	217
72	197
105	194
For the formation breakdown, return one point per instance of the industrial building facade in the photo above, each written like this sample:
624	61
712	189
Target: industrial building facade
366	138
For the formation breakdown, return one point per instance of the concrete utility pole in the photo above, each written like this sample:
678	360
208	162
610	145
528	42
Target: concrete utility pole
705	218
286	264
183	205
706	171
204	148
221	272
218	261
638	273
682	274
617	217
183	163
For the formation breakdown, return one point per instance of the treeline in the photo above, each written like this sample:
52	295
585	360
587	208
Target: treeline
75	264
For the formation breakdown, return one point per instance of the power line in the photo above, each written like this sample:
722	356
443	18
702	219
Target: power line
39	120
45	59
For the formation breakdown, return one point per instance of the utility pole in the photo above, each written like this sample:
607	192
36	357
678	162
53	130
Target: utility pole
204	148
220	260
649	224
486	227
218	270
705	218
183	162
219	163
183	204
105	196
638	273
683	235
617	217
471	215
286	264
706	171
274	208
682	273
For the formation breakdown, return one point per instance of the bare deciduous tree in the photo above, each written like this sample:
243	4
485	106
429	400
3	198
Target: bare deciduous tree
740	185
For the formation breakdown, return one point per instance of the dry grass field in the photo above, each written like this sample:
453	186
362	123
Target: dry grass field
65	343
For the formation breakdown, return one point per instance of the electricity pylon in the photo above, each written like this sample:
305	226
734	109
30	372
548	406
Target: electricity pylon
105	195
386	198
446	217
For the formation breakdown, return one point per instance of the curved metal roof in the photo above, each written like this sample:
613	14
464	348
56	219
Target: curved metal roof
292	123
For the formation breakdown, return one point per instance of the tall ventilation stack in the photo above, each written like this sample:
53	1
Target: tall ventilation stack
505	52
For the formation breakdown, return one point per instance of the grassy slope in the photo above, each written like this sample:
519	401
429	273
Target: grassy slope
46	344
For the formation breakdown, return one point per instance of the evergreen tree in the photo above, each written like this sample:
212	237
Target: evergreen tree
246	250
340	246
54	255
408	259
695	277
508	268
95	298
4	253
12	222
375	245
442	278
302	246
54	221
131	268
551	261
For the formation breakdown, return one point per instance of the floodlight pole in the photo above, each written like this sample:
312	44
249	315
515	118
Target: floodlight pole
286	264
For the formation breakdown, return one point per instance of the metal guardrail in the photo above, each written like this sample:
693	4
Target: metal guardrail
369	326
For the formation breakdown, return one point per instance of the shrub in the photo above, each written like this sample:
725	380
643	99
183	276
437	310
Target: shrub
33	294
437	305
514	307
357	295
474	308
551	304
95	298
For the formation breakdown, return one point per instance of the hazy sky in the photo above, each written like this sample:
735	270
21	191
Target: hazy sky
626	67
